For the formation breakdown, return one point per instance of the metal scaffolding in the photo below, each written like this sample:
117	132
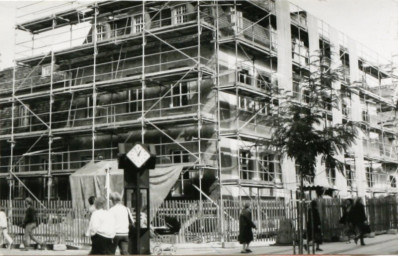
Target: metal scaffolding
140	71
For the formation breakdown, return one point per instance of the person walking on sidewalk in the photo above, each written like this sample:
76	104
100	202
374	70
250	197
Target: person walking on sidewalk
121	216
29	224
245	228
3	228
314	232
347	219
359	219
101	229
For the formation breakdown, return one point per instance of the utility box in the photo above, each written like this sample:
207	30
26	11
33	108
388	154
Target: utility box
136	163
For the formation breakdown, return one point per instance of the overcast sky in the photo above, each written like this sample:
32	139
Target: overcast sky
371	22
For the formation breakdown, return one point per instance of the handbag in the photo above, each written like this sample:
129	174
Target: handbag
366	228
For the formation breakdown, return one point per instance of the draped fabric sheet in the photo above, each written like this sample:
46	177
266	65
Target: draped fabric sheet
90	181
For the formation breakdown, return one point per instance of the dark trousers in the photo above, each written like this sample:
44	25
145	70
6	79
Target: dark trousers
101	245
123	243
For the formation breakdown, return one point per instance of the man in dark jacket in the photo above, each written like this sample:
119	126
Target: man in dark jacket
245	228
29	224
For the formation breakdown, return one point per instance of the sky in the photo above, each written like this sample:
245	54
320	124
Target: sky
374	23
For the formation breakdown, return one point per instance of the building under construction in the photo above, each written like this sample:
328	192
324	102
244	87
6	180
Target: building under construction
192	80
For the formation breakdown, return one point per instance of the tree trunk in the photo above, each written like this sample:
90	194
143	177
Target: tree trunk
301	214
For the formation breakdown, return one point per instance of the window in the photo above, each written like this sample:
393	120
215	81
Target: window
245	164
267	168
306	96
23	114
134	100
138	24
264	82
370	176
393	181
179	156
350	176
244	77
179	95
331	175
46	70
262	107
103	31
365	115
180	14
345	109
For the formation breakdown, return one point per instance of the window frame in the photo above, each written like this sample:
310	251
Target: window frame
180	14
136	25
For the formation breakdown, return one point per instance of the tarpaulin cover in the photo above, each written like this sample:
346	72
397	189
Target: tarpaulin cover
90	181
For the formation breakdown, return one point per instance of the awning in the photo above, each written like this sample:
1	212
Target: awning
90	181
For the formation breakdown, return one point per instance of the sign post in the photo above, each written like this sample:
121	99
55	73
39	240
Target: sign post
136	164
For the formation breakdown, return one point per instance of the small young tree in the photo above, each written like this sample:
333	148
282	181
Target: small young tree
301	131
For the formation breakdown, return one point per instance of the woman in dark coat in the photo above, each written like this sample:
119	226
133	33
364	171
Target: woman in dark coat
359	219
314	231
245	228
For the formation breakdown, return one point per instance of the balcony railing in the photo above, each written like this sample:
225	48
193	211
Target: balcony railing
107	114
123	68
379	150
167	153
250	31
82	34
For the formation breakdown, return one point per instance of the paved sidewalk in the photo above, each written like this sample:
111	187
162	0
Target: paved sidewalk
382	244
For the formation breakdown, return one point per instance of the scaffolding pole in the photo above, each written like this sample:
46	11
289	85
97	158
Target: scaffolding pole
143	85
217	77
198	84
50	136
94	88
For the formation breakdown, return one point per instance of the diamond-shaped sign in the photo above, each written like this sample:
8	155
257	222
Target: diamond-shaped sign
138	155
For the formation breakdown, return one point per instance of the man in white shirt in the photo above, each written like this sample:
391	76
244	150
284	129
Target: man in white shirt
101	229
121	215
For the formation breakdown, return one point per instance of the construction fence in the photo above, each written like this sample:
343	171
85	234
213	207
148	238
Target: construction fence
184	221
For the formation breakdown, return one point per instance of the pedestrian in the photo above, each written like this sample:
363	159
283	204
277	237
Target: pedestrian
122	216
359	220
3	228
101	229
314	231
91	208
245	228
29	224
347	219
90	211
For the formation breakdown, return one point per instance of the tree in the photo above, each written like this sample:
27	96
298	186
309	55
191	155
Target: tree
301	131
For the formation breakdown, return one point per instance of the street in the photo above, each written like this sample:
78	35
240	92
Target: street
381	245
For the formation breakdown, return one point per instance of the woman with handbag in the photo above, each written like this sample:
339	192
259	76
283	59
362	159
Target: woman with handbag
245	228
360	220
